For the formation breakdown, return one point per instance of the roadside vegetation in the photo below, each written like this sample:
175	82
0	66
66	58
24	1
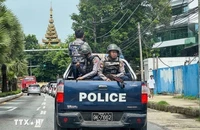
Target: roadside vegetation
10	93
186	97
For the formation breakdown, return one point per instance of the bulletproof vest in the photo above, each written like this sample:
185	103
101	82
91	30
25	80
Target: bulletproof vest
90	64
111	67
76	57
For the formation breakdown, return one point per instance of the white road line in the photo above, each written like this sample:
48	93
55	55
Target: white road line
12	102
38	108
44	103
44	107
6	107
43	112
12	109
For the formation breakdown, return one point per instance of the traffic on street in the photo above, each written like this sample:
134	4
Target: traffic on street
99	65
37	112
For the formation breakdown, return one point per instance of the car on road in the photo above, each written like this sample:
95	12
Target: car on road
43	88
26	81
53	92
34	89
49	87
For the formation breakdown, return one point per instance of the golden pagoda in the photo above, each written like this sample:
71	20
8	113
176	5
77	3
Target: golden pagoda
51	34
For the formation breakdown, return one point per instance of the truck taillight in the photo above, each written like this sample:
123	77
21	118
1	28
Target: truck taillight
144	95
60	93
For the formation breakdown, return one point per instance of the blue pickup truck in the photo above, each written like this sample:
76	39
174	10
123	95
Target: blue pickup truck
100	104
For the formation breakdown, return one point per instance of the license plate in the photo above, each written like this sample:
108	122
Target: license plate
102	116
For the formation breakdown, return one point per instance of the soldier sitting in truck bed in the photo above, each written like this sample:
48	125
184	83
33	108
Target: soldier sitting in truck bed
89	70
77	59
111	65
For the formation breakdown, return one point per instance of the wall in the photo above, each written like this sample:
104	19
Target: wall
170	61
179	80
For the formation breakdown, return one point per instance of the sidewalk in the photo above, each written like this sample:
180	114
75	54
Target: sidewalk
11	97
182	106
176	102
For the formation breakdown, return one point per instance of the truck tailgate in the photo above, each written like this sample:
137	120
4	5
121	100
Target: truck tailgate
101	95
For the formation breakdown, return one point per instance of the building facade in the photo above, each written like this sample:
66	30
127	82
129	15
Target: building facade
181	37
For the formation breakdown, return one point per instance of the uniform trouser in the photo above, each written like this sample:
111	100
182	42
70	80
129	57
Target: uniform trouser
75	71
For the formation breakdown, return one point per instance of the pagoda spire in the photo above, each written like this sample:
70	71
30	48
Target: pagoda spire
51	34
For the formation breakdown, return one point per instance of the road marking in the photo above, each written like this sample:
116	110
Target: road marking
38	108
45	99
12	102
12	109
44	103
44	107
38	122
43	112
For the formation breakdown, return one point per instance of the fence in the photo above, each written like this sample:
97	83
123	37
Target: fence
179	80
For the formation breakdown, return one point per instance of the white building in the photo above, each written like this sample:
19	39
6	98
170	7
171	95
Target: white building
153	63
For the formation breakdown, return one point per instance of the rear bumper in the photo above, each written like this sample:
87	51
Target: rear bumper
34	92
75	120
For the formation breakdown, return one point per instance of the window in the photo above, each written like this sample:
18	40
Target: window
179	10
172	34
34	86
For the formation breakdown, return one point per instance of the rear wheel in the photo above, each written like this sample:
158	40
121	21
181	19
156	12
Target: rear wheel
39	94
27	94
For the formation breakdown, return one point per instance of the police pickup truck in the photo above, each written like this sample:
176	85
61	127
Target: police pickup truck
94	104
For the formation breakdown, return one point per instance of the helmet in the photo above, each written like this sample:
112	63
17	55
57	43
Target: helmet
85	49
113	47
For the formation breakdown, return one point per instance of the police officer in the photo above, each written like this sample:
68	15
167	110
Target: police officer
77	59
91	65
112	64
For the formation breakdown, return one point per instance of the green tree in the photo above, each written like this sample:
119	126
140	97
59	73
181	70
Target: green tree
30	41
11	46
115	21
49	64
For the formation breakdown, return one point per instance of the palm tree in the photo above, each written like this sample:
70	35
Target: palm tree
11	46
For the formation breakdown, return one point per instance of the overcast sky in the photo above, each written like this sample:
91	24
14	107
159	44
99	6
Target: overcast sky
34	15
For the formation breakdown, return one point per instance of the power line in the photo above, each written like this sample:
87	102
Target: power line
31	50
155	19
126	19
163	62
114	26
174	21
110	18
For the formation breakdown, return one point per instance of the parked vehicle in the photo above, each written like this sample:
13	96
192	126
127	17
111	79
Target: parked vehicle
34	89
48	87
101	104
43	88
53	92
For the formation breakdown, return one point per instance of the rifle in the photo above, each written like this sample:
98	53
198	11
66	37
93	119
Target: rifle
119	80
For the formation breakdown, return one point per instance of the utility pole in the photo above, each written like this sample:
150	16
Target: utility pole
30	68
141	59
94	34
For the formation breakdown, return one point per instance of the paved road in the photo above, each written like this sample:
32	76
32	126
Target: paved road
31	112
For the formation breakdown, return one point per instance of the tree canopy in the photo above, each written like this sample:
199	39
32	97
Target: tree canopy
116	21
11	44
